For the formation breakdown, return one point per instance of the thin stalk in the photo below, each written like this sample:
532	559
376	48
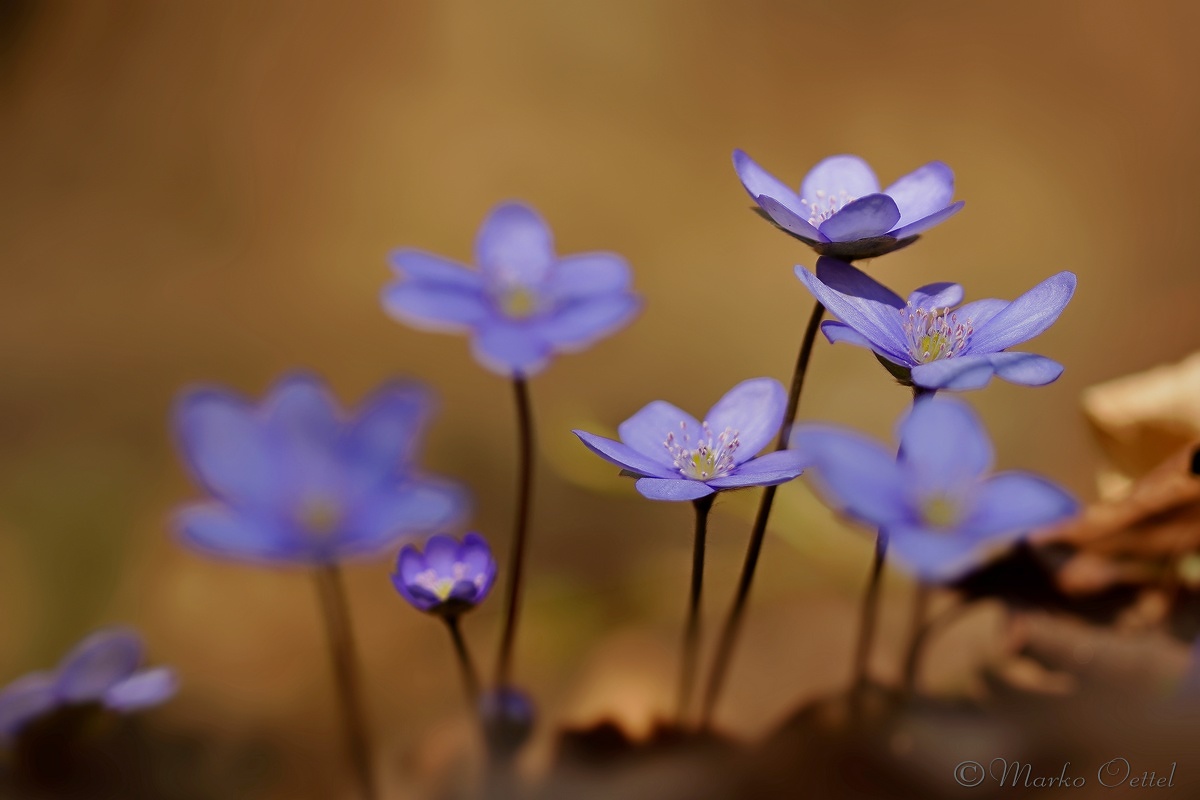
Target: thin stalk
516	562
733	622
342	653
868	616
916	639
691	630
465	663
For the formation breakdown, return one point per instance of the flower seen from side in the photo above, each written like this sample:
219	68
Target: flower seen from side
103	669
449	577
524	303
840	210
294	479
926	341
939	508
674	456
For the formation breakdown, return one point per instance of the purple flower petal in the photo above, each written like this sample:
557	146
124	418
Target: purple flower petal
836	176
672	489
24	700
97	663
1017	502
414	507
789	220
1025	317
1026	369
142	690
436	306
225	448
421	267
866	217
511	349
936	295
465	591
936	556
754	408
922	192
301	421
646	432
441	551
514	245
382	438
876	321
854	474
409	564
477	556
757	181
580	323
841	332
417	596
849	280
768	470
960	374
624	456
588	275
922	225
220	531
978	312
943	444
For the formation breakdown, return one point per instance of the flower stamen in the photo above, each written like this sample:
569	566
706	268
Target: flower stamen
934	334
825	205
708	457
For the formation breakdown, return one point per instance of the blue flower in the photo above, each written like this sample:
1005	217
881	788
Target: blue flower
448	578
676	457
294	480
925	342
102	669
524	303
508	717
840	210
941	512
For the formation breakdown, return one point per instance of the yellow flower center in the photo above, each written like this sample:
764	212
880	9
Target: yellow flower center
940	511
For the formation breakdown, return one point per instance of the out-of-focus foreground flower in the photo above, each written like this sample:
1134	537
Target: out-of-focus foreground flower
449	578
524	303
926	343
840	210
102	669
676	457
940	510
294	480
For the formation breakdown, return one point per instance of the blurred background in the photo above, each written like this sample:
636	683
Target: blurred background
207	192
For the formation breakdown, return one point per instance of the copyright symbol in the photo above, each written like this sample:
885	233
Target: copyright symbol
969	773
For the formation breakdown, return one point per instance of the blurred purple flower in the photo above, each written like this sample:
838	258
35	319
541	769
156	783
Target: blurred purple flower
102	669
676	457
840	210
449	578
508	717
928	344
940	510
524	303
294	480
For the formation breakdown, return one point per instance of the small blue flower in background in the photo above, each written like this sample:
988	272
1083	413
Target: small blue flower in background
929	344
102	669
448	578
676	457
840	210
294	480
941	511
524	303
508	717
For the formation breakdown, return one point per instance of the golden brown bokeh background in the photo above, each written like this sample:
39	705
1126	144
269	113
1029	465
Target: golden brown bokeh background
207	191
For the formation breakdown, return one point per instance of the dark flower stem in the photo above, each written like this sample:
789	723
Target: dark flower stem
340	636
868	616
466	665
516	563
916	639
691	630
733	622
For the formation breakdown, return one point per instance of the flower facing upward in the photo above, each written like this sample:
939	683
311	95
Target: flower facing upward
448	578
676	457
940	510
840	210
294	480
524	303
102	669
929	343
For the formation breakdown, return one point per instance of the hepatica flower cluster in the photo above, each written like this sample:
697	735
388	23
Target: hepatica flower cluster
292	479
